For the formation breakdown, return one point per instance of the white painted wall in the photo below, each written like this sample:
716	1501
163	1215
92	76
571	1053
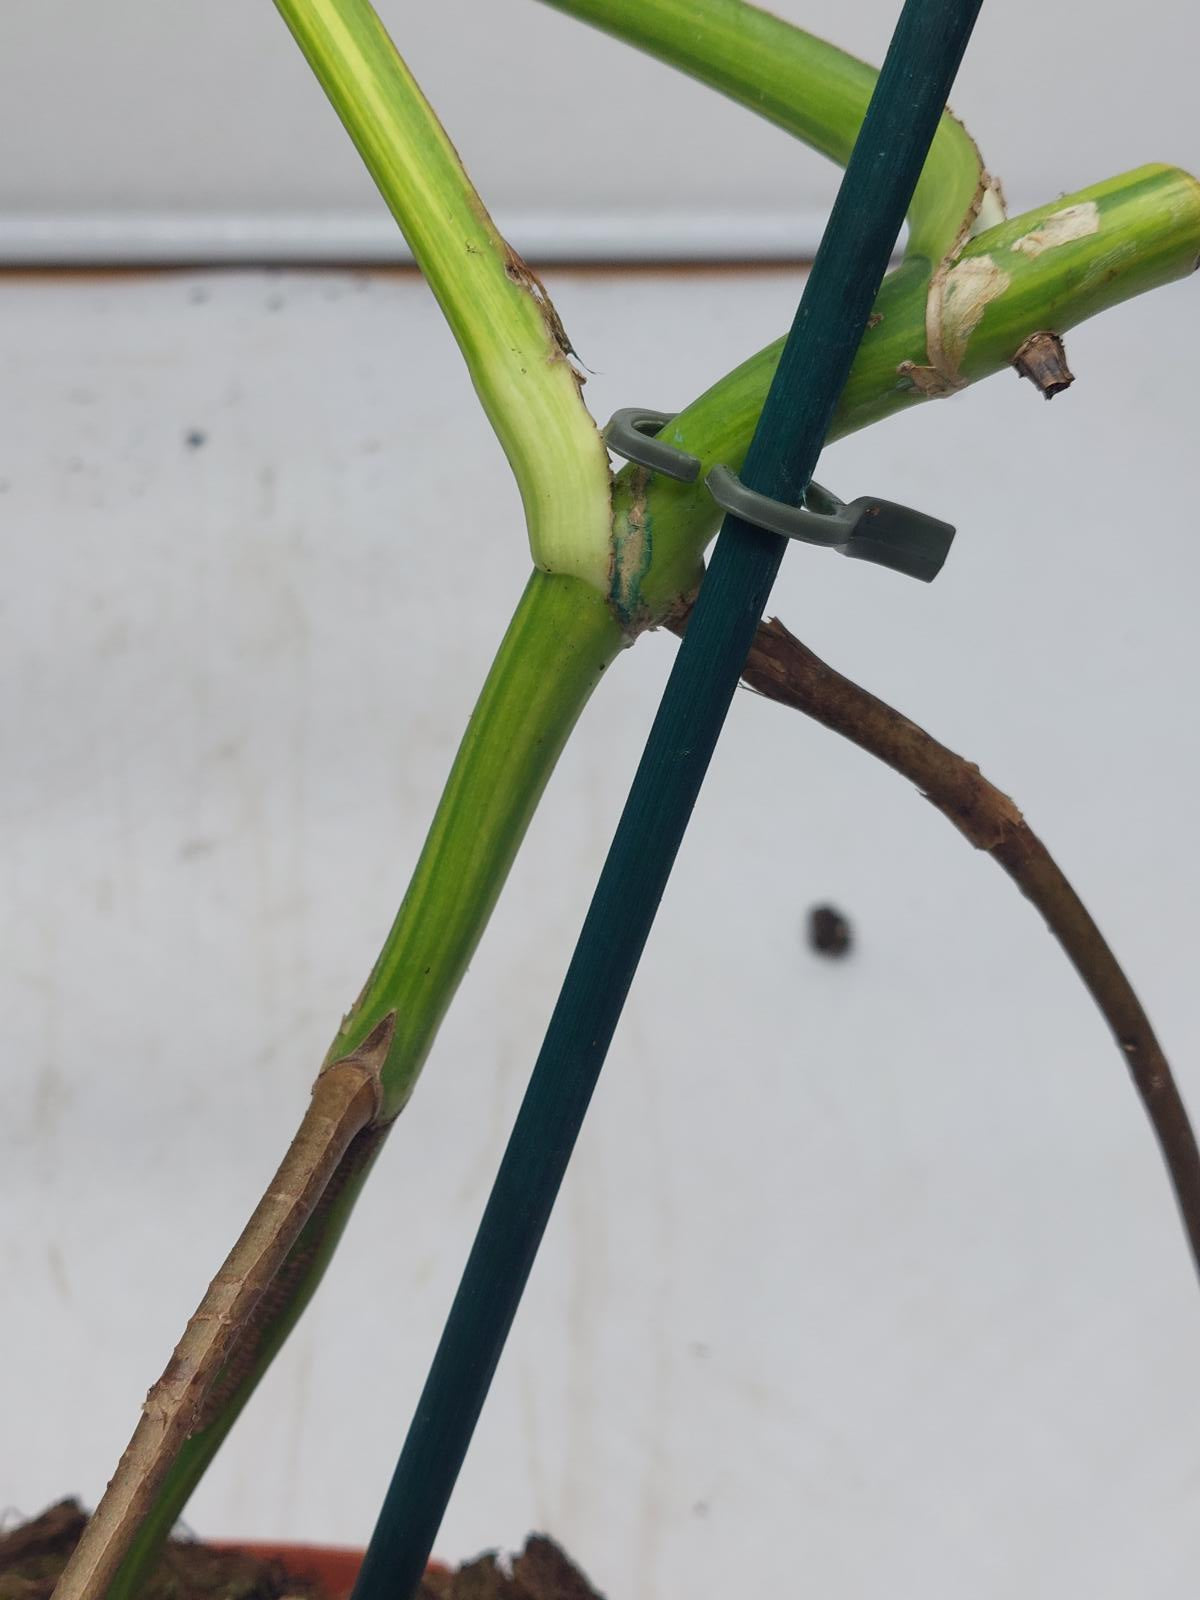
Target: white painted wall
174	128
866	1280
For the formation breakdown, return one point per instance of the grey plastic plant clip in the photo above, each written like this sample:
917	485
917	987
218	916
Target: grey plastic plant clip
868	529
630	433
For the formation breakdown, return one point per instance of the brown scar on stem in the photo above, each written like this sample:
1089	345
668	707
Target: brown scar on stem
629	552
938	374
517	270
959	294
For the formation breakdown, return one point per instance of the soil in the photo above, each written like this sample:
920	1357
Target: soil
34	1553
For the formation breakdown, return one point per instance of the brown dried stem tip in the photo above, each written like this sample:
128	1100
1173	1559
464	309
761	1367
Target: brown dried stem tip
1043	361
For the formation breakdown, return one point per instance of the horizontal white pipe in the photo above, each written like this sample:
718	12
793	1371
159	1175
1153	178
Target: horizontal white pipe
193	237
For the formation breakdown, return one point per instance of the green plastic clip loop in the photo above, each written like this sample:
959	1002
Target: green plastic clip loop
868	529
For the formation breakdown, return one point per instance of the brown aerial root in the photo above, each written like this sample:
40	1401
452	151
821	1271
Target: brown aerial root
346	1100
783	669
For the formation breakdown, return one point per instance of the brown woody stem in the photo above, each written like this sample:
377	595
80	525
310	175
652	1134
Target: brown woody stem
346	1099
783	669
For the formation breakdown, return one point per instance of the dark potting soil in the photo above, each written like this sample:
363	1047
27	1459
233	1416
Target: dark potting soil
33	1554
540	1572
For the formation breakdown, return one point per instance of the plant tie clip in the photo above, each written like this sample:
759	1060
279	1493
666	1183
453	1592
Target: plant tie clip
814	364
868	529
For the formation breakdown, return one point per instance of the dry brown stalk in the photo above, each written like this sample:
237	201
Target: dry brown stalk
783	669
345	1101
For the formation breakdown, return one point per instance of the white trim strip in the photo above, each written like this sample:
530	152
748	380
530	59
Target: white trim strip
81	239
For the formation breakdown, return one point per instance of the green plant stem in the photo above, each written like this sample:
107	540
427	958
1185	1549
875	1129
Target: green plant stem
1146	233
561	639
515	348
801	83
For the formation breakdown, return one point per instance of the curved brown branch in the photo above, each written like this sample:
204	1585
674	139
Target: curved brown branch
783	669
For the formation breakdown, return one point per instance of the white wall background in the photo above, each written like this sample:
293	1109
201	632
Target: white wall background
191	130
866	1280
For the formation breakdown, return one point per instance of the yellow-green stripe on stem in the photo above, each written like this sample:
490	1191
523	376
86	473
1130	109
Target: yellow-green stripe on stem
513	344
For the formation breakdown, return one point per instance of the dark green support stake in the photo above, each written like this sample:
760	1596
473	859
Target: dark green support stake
813	366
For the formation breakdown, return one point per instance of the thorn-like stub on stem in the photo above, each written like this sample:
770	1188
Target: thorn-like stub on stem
1043	361
928	380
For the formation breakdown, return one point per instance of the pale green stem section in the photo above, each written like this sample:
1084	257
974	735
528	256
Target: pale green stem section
799	82
1146	233
514	345
561	639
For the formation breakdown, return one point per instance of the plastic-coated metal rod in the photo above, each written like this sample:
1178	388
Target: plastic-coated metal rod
913	85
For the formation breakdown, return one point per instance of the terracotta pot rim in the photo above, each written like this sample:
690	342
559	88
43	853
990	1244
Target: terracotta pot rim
334	1565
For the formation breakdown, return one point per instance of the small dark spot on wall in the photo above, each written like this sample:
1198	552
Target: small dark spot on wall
829	932
194	438
198	295
192	849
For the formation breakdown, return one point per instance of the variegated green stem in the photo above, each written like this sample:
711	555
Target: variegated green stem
515	348
802	84
1049	269
558	645
560	641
